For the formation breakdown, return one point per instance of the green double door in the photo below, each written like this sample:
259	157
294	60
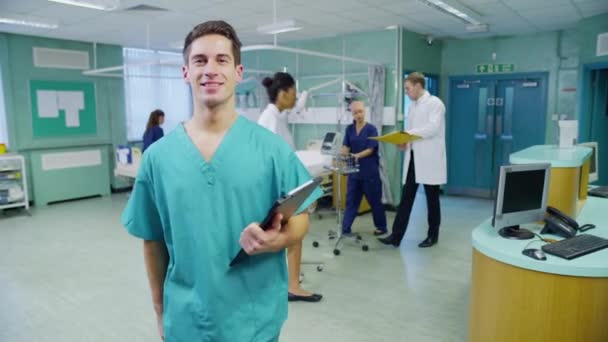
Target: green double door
490	118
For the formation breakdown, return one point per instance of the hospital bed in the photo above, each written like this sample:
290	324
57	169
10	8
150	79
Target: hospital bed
316	163
313	160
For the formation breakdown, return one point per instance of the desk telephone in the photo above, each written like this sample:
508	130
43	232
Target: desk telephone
561	224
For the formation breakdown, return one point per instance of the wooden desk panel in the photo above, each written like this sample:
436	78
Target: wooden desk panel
511	304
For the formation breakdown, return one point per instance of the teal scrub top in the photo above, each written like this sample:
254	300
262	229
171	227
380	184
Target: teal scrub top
199	210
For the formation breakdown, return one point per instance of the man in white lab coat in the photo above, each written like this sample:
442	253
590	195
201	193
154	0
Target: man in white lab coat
426	160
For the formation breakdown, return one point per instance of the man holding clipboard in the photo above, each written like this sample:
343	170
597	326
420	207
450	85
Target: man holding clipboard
425	157
196	200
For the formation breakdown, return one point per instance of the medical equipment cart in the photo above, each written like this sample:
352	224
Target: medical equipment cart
343	165
13	182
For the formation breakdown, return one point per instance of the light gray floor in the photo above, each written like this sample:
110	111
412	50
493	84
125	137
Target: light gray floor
70	273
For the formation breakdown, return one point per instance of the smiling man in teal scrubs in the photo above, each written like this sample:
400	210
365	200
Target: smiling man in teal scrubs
195	202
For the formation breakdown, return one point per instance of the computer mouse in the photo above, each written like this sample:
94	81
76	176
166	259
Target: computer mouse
534	253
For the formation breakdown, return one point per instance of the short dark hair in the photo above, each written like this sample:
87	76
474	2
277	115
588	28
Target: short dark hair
416	77
280	81
219	27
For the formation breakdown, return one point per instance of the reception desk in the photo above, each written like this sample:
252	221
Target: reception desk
569	174
517	298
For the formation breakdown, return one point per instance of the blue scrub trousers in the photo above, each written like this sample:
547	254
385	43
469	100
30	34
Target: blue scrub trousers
372	188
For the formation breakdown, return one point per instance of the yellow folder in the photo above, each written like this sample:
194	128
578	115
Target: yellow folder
397	138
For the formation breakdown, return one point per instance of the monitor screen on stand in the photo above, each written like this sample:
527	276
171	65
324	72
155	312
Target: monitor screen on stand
521	198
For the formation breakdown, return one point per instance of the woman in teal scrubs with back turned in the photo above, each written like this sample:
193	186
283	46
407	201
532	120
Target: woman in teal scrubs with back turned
195	202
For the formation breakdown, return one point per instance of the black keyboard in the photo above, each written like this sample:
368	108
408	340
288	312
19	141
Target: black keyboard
599	191
577	246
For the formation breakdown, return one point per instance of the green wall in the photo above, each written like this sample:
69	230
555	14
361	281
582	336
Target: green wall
63	184
418	55
566	56
592	109
377	46
16	59
529	53
562	55
588	29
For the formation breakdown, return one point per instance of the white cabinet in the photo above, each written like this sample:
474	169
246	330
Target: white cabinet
13	182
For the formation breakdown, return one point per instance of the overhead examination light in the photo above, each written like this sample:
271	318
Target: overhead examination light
279	27
102	5
477	28
29	21
459	13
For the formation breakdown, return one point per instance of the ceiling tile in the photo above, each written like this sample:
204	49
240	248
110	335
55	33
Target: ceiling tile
257	5
542	15
182	5
510	18
68	14
509	28
593	8
334	6
227	12
369	14
21	7
558	25
386	20
435	18
136	26
295	11
326	19
380	3
415	26
493	9
408	8
330	18
477	2
536	4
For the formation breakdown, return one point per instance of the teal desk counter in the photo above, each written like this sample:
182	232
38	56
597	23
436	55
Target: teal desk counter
487	241
557	157
517	298
569	174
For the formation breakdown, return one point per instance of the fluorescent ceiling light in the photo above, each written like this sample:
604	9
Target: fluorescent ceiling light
102	5
29	21
391	27
443	6
280	27
477	28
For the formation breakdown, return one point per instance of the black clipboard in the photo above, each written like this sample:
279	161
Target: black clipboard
286	206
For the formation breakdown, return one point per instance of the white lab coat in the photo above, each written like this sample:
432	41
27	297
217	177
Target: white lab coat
426	118
276	122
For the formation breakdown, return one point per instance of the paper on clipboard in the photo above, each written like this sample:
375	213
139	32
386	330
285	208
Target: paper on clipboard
397	138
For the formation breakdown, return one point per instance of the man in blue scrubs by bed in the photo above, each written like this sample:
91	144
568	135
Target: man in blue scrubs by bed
196	201
367	180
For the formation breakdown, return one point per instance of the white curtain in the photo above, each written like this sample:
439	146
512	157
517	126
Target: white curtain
3	129
377	76
150	86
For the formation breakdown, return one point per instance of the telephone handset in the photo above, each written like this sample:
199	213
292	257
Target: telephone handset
561	224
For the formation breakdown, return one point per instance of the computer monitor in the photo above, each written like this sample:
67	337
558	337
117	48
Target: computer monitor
331	143
521	198
593	172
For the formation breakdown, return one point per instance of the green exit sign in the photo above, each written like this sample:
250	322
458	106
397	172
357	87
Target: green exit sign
494	68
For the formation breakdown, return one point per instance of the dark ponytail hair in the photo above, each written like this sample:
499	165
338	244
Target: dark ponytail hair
153	119
280	81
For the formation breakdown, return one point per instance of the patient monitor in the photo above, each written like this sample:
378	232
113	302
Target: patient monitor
331	143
